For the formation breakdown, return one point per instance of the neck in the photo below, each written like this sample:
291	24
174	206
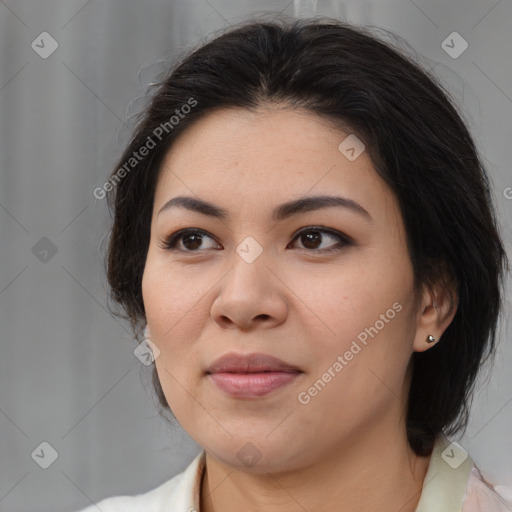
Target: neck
364	473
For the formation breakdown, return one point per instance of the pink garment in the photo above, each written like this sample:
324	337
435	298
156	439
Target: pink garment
482	496
453	483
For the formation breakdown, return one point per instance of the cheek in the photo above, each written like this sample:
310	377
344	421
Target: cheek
172	301
359	373
360	312
344	299
176	310
172	308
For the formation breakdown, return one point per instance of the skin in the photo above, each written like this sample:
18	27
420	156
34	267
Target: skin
347	448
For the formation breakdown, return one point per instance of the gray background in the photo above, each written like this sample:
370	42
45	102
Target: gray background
68	374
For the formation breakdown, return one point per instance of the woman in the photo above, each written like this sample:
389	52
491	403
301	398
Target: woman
304	230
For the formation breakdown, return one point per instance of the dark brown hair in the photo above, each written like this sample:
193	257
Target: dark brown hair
417	141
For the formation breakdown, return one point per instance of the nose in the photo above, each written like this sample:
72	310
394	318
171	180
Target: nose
250	296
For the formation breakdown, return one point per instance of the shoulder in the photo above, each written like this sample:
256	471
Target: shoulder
177	492
481	496
151	501
453	483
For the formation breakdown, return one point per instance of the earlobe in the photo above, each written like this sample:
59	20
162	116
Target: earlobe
437	311
147	333
430	338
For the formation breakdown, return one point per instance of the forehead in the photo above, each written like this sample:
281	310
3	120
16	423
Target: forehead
264	157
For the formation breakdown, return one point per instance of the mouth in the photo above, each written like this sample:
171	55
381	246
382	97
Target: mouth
251	375
252	385
250	363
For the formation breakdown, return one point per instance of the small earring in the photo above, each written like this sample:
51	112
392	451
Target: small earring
431	339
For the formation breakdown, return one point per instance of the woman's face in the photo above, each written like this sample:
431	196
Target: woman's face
344	321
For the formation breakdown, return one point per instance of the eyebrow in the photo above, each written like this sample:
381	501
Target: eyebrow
280	212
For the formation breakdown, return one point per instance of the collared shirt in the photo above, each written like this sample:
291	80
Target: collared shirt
452	483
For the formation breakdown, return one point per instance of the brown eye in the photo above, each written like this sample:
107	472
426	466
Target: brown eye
191	240
312	239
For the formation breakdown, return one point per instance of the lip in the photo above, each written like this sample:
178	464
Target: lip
249	363
251	375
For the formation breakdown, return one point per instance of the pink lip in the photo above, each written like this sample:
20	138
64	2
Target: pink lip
250	363
251	375
252	385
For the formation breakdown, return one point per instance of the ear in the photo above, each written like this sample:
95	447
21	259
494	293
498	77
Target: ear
147	333
437	308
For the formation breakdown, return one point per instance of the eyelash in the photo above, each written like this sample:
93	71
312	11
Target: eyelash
170	242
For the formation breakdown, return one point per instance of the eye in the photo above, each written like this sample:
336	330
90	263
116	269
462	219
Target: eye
192	240
310	238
